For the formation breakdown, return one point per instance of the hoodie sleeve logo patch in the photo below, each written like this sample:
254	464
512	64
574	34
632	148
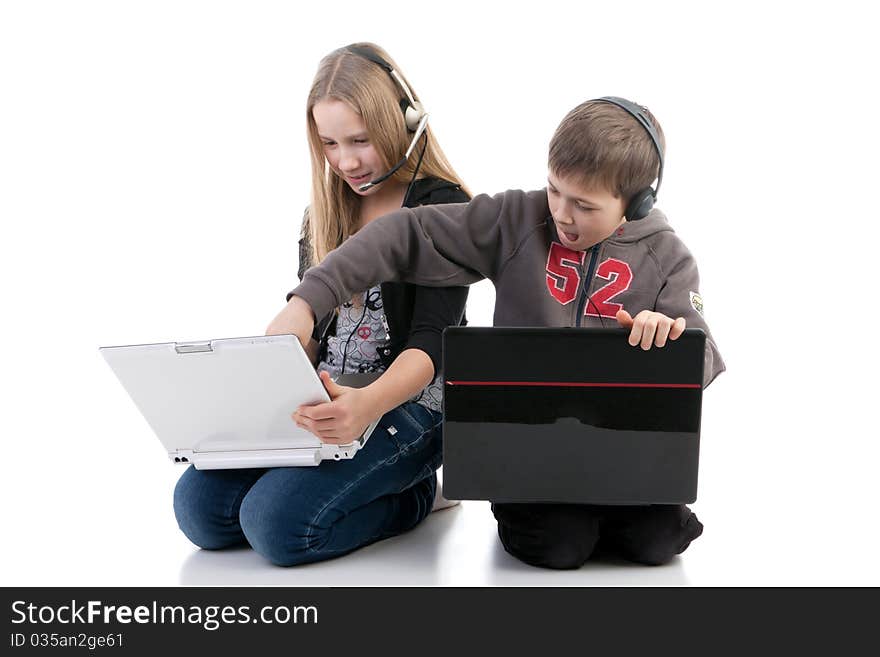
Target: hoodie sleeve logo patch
697	302
563	272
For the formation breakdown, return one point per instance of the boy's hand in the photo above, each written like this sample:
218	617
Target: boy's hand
341	420
650	327
296	318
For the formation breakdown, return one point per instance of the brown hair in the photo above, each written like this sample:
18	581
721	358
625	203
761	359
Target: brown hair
369	90
601	144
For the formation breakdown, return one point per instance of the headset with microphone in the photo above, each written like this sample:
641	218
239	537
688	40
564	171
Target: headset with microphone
414	115
641	203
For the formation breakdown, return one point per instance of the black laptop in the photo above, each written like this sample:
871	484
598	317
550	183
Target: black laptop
570	415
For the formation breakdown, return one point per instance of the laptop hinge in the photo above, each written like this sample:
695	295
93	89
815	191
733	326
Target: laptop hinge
192	347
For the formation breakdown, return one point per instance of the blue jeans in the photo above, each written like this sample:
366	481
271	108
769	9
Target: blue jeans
298	515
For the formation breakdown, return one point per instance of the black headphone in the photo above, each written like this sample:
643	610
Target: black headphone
639	205
414	115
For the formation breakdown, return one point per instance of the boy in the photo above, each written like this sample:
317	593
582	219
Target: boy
586	251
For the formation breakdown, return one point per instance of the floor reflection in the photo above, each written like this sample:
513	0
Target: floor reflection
457	546
407	560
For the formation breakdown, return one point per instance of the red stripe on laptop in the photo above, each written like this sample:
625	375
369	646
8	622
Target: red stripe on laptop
573	384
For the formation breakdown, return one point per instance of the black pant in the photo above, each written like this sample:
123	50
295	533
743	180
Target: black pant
565	535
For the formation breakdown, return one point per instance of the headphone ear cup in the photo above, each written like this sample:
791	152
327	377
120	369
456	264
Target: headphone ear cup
412	114
640	205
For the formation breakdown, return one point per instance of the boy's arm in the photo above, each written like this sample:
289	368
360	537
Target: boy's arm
680	297
435	246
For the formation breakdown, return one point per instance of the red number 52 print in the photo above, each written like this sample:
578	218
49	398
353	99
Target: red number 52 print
564	278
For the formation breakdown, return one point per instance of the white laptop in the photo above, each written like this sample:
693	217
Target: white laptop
227	403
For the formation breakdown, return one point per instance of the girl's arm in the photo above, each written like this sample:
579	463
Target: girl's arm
351	410
408	375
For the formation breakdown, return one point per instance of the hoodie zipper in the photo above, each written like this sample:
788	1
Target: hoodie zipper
591	272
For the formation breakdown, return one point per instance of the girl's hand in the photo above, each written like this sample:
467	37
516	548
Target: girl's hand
341	420
650	327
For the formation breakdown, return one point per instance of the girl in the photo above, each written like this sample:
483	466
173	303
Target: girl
371	153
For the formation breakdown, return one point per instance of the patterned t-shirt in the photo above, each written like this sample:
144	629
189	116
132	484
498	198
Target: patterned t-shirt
360	330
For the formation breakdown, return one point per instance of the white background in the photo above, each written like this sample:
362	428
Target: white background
153	172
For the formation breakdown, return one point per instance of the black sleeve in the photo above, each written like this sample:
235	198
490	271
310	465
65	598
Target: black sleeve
435	308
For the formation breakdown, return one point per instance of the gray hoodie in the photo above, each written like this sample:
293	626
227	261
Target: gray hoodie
510	238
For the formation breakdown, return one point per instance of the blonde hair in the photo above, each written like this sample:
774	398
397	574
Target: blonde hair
601	144
368	89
